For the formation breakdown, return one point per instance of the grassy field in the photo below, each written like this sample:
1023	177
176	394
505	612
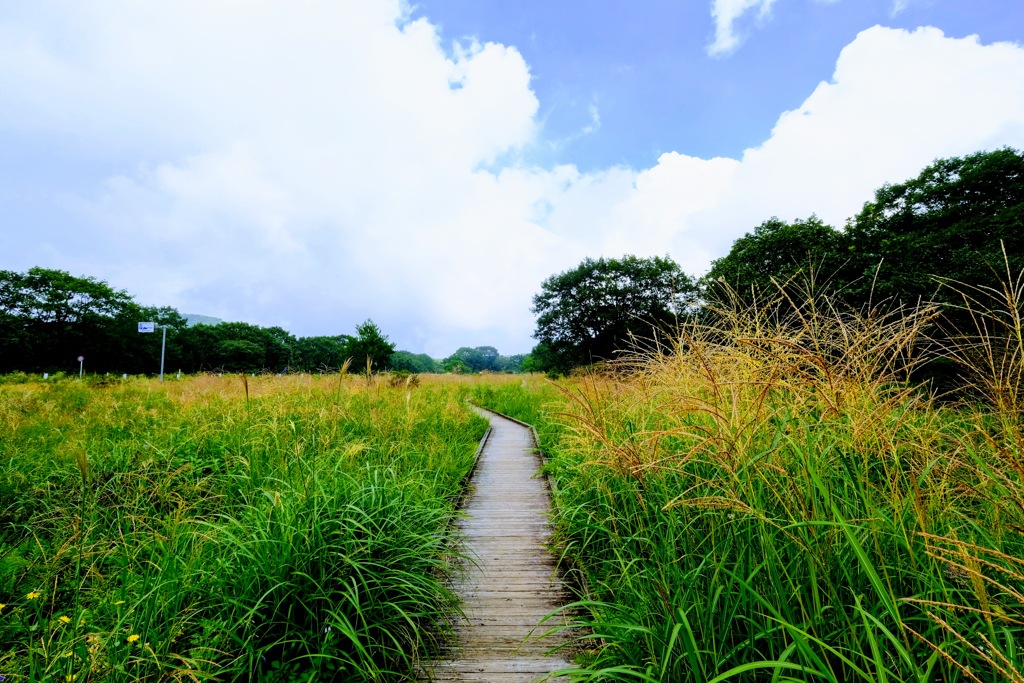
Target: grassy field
772	500
237	528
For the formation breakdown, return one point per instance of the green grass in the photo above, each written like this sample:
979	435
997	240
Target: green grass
770	501
274	529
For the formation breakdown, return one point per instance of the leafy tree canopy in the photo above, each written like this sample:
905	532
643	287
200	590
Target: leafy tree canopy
948	221
49	317
239	355
455	366
588	313
413	362
512	363
477	359
368	349
55	296
481	359
778	252
234	347
323	353
540	359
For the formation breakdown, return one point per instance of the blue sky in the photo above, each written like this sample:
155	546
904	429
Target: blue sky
314	164
644	66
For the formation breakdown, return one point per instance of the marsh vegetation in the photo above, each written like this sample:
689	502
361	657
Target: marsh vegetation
773	498
227	528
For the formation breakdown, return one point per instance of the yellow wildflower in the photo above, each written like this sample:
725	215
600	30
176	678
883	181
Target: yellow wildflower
2	605
119	602
69	654
32	596
63	619
133	637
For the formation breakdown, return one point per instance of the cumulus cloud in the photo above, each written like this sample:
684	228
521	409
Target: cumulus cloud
897	101
313	164
314	159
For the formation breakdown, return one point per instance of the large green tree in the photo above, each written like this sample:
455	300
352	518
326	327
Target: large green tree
947	222
370	348
777	253
312	354
589	313
482	359
236	347
413	362
513	363
49	317
951	221
478	358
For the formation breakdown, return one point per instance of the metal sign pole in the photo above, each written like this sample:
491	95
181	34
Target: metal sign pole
163	349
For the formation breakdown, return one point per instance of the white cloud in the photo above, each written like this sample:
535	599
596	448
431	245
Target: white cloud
316	163
726	13
317	159
897	101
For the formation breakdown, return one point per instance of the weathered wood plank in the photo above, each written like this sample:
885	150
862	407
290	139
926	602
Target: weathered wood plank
511	590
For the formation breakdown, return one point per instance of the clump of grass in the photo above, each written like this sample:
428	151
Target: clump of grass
990	351
267	528
772	499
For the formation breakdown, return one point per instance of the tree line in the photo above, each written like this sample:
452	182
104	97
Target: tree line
953	222
464	360
48	318
959	224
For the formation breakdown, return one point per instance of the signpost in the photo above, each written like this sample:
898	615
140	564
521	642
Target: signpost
151	327
81	360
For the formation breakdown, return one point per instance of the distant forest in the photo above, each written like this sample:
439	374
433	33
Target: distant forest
959	223
48	318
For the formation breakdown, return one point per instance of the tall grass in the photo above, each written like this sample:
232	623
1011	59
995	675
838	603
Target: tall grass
772	500
274	529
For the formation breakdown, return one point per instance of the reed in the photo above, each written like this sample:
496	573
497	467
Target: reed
772	499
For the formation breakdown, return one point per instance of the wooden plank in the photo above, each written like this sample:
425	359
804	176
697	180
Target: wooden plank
510	587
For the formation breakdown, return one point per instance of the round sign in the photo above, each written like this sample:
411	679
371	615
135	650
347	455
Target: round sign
81	358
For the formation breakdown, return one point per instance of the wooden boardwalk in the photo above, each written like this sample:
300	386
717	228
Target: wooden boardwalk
511	581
